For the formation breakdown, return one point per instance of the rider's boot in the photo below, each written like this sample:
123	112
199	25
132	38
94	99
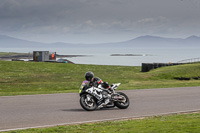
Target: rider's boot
106	101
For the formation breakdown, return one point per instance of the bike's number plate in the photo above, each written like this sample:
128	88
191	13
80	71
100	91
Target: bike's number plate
82	85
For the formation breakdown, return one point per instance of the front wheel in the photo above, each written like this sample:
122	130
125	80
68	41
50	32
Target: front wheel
124	102
88	102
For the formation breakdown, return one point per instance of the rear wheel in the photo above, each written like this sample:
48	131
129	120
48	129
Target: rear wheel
124	102
88	102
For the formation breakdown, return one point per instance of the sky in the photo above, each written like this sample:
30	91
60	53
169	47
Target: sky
98	21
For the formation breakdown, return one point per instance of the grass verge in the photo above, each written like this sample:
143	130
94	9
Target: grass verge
179	123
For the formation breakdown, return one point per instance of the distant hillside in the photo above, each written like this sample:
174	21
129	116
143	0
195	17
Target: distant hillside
11	42
142	41
154	41
6	42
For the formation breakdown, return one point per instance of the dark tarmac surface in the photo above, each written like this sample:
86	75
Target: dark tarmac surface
31	111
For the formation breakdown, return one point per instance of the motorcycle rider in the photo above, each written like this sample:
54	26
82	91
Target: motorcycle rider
95	81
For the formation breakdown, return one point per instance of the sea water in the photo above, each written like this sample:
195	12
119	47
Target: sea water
102	56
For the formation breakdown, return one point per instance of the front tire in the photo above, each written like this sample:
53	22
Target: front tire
88	102
122	104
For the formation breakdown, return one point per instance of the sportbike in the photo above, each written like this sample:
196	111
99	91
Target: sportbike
92	97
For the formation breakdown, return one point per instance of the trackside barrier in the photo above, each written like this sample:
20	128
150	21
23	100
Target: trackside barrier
149	66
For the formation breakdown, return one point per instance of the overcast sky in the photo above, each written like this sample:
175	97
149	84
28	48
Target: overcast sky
97	21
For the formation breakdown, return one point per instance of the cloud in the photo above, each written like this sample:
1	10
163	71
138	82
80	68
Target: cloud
77	18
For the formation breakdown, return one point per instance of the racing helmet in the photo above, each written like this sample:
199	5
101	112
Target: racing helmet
89	75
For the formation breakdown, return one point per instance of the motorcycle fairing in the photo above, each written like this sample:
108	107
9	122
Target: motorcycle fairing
96	92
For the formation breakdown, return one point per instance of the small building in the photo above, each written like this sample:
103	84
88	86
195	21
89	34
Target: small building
44	56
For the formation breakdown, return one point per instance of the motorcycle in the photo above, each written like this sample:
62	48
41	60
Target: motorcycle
92	97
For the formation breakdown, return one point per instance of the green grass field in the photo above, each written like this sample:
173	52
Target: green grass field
22	78
179	123
7	54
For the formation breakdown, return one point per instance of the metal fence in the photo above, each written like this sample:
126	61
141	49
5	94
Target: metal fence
193	60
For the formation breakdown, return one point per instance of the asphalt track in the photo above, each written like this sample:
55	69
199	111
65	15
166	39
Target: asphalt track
32	111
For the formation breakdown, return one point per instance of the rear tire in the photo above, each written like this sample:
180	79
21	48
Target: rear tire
124	103
86	104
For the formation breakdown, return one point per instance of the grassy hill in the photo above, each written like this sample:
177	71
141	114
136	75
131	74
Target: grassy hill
21	78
